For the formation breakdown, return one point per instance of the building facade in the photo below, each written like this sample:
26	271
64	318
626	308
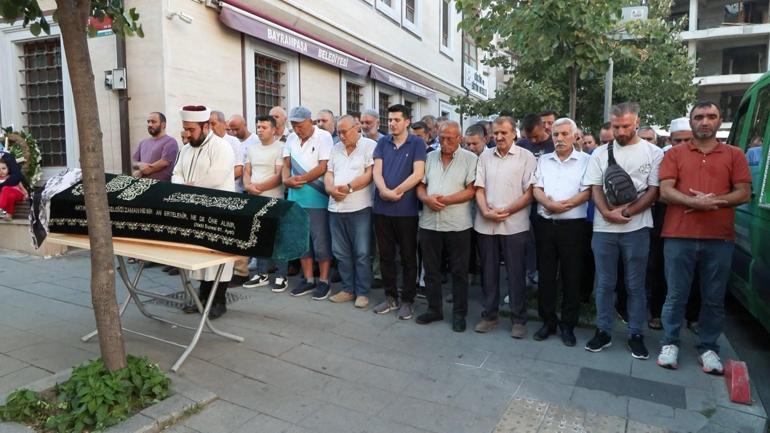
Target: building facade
730	40
240	56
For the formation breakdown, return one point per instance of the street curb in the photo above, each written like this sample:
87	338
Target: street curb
186	398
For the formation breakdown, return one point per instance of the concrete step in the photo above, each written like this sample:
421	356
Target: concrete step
14	235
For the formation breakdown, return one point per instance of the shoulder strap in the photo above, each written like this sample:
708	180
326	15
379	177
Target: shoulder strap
610	155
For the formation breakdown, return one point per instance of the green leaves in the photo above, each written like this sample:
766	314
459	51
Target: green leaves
92	399
124	23
549	36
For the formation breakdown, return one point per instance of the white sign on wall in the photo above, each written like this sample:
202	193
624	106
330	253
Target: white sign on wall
476	83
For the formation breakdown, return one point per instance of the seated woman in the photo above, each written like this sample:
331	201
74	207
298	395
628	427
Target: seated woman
11	188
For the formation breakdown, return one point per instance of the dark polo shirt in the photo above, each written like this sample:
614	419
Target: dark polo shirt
397	165
716	172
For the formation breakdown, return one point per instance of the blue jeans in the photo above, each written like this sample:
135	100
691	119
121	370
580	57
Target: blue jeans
352	247
713	260
263	265
633	248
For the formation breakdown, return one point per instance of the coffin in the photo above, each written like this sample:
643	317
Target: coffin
223	221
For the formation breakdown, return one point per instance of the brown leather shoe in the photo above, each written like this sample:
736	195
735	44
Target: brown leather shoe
518	331
486	325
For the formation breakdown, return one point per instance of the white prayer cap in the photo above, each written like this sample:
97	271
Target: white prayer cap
195	113
680	124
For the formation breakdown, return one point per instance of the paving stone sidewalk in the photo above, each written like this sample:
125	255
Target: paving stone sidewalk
314	366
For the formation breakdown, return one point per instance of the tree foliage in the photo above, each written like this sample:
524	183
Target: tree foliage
124	22
538	42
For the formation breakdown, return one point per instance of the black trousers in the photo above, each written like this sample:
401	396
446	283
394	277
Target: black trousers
513	249
205	290
561	245
400	233
456	247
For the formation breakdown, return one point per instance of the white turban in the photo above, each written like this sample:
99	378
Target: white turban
195	113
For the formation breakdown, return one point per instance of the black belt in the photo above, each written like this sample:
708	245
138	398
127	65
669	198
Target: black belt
563	221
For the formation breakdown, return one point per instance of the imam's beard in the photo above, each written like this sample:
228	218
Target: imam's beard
196	143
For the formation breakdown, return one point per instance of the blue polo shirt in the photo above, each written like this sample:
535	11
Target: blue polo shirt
397	164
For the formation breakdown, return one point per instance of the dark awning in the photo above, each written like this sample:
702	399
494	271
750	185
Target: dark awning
391	78
242	20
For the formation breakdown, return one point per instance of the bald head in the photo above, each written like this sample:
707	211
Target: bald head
450	136
237	125
348	130
279	114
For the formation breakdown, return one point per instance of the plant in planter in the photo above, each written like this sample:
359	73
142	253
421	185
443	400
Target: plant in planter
91	400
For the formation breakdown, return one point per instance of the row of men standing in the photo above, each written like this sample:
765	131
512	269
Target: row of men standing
334	183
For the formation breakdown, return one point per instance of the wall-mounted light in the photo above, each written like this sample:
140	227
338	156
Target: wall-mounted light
182	16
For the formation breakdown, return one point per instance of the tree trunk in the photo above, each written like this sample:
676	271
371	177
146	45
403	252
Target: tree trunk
573	75
73	18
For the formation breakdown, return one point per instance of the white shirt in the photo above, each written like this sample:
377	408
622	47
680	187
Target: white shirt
348	167
317	148
263	159
251	140
642	162
562	180
240	157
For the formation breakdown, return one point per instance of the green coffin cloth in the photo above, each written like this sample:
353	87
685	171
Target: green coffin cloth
225	221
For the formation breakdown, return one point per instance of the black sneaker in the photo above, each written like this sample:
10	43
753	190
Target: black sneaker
429	317
637	347
217	310
259	280
303	289
600	341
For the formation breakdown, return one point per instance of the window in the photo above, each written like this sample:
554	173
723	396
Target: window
410	106
446	27
744	60
269	80
412	16
470	52
44	99
353	98
383	105
391	8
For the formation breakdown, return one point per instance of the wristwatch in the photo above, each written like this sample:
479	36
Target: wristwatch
350	189
625	213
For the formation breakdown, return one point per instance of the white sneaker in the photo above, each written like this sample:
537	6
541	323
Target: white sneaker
711	363
507	299
259	280
281	283
668	357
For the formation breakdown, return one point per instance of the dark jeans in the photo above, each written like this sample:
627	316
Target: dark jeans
456	245
513	249
397	233
713	260
560	248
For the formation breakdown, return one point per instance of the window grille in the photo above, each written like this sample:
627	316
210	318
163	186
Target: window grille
383	108
44	99
353	99
269	83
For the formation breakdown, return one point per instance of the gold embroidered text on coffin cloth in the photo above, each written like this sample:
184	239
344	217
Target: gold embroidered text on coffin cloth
137	188
119	183
186	232
228	203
